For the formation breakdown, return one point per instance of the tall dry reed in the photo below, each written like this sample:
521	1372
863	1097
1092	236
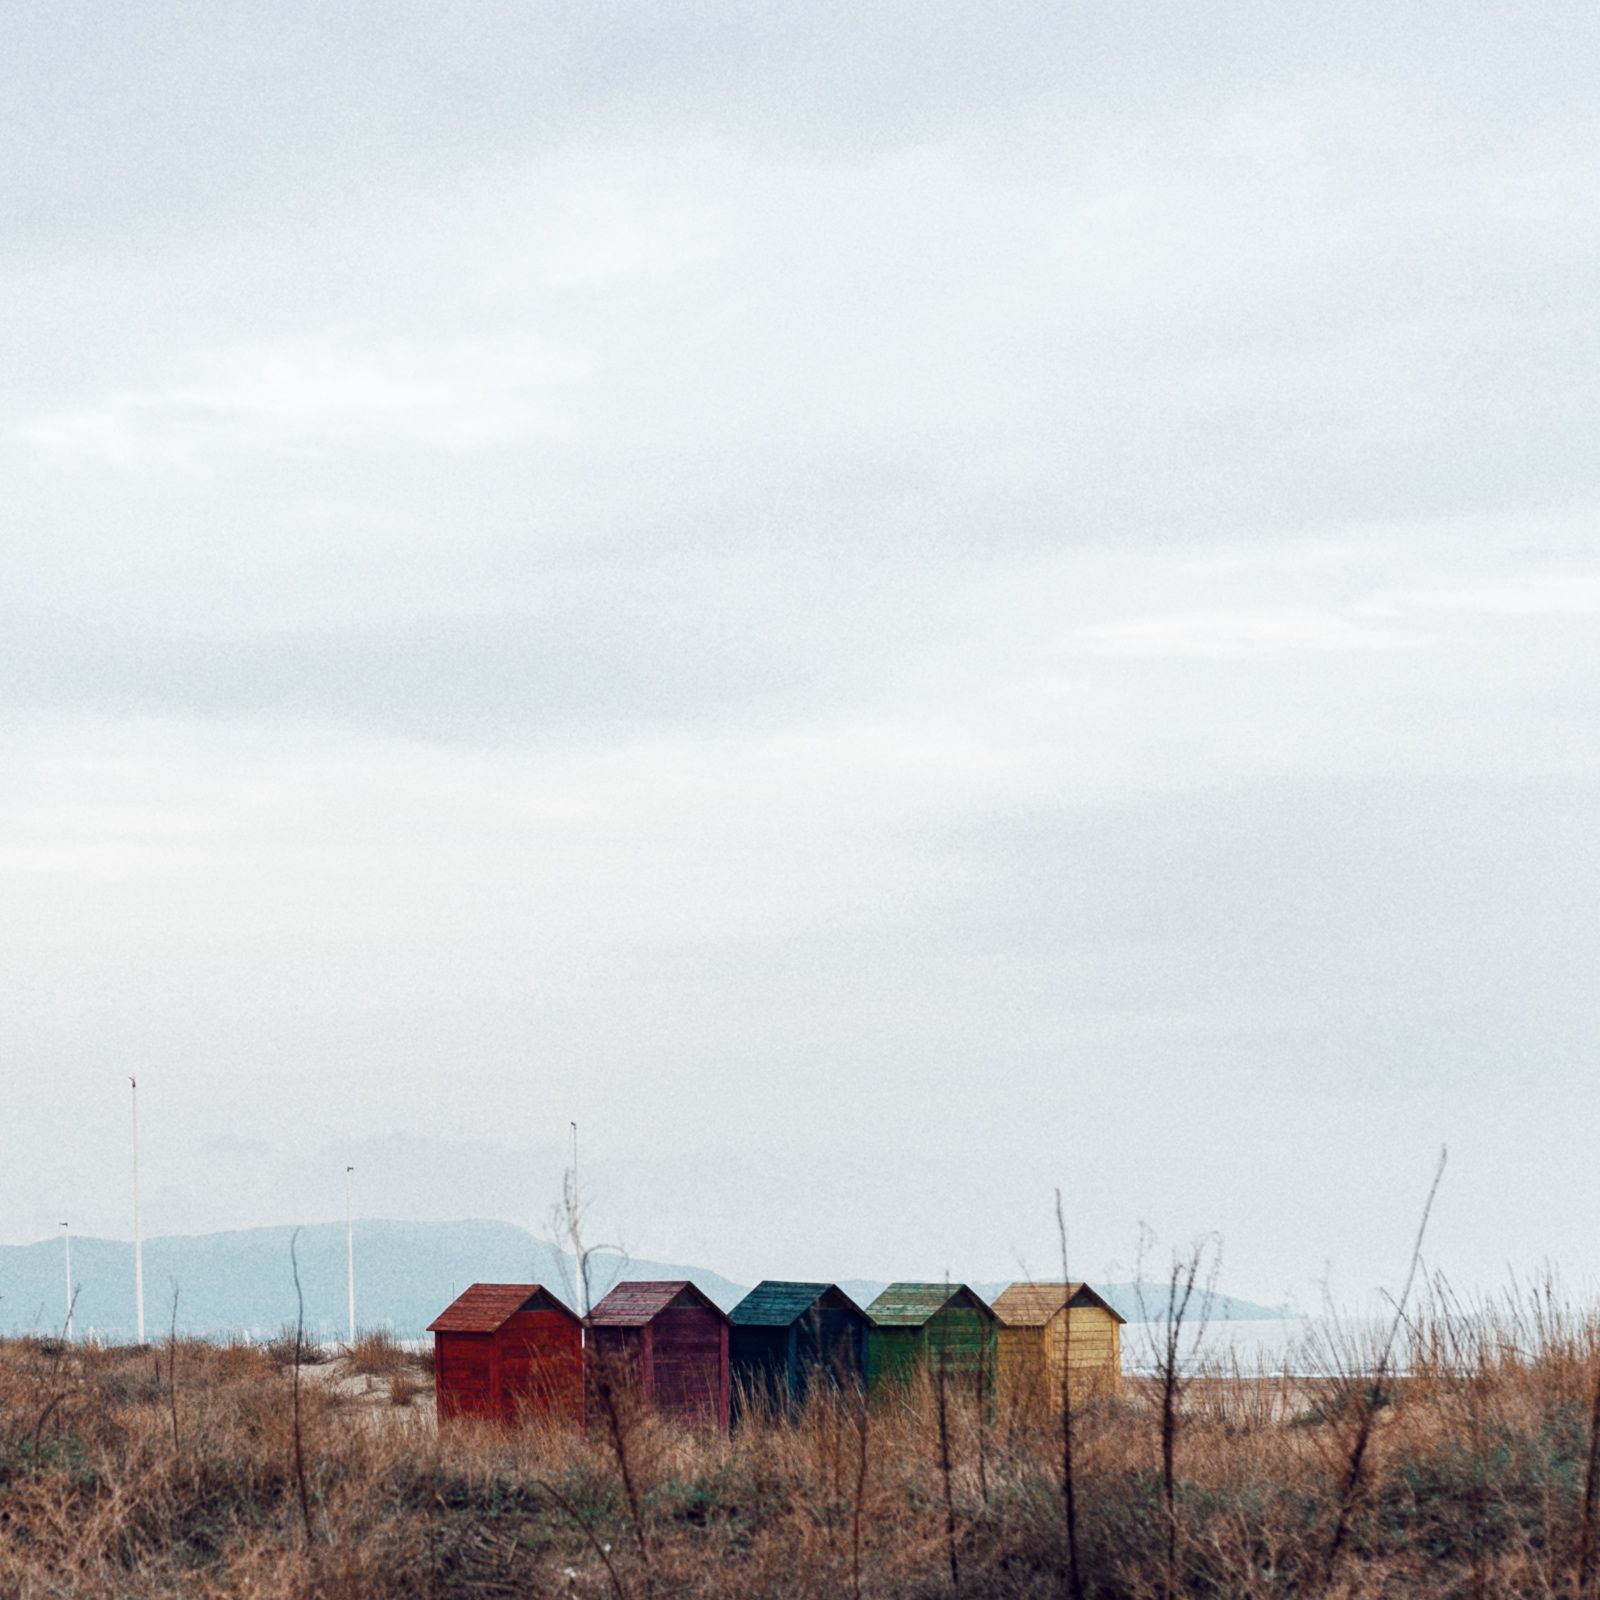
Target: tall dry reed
1476	1479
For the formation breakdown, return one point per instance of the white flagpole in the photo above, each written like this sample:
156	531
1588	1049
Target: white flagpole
138	1235
350	1252
66	1239
577	1245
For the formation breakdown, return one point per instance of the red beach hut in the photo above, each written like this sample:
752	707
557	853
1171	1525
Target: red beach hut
504	1350
666	1344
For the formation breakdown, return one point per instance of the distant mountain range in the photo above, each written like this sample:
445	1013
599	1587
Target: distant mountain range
406	1272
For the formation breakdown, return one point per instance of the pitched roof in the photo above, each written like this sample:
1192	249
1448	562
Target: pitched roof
909	1305
487	1307
775	1303
1031	1305
631	1305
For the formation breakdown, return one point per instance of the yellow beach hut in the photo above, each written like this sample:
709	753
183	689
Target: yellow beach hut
1048	1327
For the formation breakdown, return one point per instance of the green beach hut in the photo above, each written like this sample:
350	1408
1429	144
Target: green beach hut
923	1327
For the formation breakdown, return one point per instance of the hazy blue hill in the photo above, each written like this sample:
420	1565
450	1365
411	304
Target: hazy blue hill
1124	1296
406	1273
1222	1307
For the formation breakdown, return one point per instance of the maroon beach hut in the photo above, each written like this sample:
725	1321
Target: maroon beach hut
504	1350
664	1343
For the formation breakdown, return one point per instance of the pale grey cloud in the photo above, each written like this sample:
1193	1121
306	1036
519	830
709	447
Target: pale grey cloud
910	605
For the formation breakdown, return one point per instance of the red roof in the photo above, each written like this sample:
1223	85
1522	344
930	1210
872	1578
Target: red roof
631	1305
487	1307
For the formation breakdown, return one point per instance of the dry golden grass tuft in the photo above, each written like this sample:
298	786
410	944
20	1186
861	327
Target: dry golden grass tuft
403	1387
380	1354
171	1471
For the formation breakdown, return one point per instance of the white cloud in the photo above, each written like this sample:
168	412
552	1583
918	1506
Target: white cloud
1240	636
1574	594
995	595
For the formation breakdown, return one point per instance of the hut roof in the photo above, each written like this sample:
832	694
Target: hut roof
631	1305
487	1307
774	1303
1031	1305
909	1305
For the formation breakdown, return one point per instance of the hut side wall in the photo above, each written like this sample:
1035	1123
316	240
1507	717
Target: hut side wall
616	1371
534	1363
1096	1351
893	1354
1022	1373
465	1379
541	1364
964	1341
689	1349
758	1368
829	1345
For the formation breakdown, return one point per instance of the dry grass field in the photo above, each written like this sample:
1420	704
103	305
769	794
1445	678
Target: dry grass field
200	1470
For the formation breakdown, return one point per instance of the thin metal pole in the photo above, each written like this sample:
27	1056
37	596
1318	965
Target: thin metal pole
66	1239
577	1243
138	1232
350	1252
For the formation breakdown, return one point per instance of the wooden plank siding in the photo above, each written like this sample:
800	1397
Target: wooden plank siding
929	1327
663	1345
541	1364
465	1383
689	1347
760	1369
786	1337
504	1352
1035	1346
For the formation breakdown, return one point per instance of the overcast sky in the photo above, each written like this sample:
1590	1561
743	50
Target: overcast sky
890	605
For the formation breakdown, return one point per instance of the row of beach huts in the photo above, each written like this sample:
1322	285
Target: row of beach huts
503	1351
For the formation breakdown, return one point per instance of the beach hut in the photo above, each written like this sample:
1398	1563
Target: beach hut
1046	1328
932	1327
784	1337
663	1343
504	1350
